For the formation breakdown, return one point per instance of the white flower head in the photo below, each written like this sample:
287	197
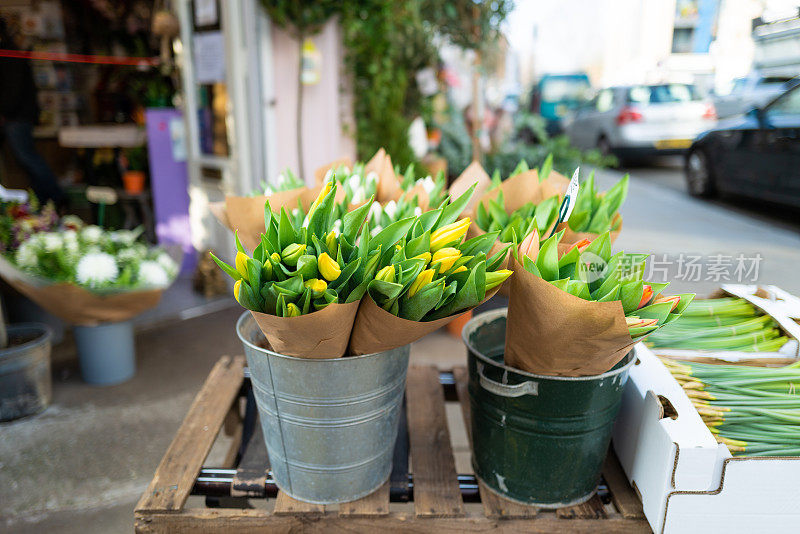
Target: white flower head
390	208
26	255
337	224
372	177
375	212
354	182
328	175
281	179
359	196
152	274
295	212
417	211
428	184
96	269
124	237
92	234
52	242
375	230
167	263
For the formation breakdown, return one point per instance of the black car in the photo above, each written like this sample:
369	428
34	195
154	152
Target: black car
755	155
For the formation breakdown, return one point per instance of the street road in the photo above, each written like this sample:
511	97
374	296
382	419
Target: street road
703	243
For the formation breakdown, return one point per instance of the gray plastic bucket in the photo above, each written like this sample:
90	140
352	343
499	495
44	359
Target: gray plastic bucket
329	424
25	381
538	440
106	352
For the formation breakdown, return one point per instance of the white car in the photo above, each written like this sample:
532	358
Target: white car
638	121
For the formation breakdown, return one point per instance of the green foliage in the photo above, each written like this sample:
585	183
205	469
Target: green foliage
303	17
565	156
470	24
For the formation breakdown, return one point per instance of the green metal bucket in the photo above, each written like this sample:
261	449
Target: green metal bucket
538	440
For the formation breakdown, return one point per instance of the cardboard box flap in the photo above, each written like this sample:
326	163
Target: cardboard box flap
772	300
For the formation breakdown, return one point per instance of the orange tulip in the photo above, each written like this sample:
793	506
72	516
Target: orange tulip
647	296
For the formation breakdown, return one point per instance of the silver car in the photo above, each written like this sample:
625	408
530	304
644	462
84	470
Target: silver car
638	121
754	90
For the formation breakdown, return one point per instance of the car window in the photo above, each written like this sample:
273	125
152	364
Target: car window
662	94
605	100
774	80
786	104
561	89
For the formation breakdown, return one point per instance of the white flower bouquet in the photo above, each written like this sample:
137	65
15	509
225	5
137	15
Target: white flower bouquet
90	275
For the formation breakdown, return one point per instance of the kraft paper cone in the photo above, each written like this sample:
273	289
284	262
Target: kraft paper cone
321	334
474	173
570	237
320	172
76	305
551	332
246	214
377	330
558	181
389	187
218	210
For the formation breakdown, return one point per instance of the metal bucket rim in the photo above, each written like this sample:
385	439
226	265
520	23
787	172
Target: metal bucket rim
45	334
503	312
246	315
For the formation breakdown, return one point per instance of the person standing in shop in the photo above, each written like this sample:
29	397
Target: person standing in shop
19	112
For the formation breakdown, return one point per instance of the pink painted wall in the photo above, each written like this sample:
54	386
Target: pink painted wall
326	107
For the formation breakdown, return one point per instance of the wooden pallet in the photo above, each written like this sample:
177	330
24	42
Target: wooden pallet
437	500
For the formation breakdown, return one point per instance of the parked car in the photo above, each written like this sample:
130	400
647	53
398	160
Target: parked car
556	95
638	121
755	155
754	90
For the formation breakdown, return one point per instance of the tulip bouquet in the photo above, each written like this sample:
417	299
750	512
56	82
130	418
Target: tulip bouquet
596	213
434	190
578	312
286	181
520	222
431	276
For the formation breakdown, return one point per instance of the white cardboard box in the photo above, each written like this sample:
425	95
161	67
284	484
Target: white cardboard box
686	480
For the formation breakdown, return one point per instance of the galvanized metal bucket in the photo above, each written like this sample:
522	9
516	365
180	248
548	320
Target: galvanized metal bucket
329	424
106	352
25	381
538	440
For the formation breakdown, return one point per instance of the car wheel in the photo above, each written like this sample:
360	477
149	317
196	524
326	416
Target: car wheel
699	175
604	146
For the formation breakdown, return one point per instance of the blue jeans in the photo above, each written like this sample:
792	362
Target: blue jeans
19	135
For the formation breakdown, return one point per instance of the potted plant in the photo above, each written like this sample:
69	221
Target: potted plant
135	163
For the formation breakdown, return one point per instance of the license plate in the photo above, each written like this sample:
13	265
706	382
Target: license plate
673	143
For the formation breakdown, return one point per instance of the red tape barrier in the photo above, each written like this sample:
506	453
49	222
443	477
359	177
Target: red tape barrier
82	58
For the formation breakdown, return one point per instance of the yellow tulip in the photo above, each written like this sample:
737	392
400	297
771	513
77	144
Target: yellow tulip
386	274
241	264
275	257
449	234
459	270
495	278
425	256
424	278
328	267
292	253
445	257
325	190
237	287
317	286
292	310
330	242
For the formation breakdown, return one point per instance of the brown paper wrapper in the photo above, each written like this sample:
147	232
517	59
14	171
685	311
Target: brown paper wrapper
551	332
76	305
389	187
474	173
321	334
246	214
377	330
571	237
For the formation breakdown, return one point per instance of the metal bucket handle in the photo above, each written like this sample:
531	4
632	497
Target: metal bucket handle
507	390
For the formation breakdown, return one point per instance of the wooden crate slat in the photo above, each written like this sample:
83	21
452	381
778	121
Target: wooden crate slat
494	506
591	509
175	475
286	505
622	494
373	505
436	491
234	521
